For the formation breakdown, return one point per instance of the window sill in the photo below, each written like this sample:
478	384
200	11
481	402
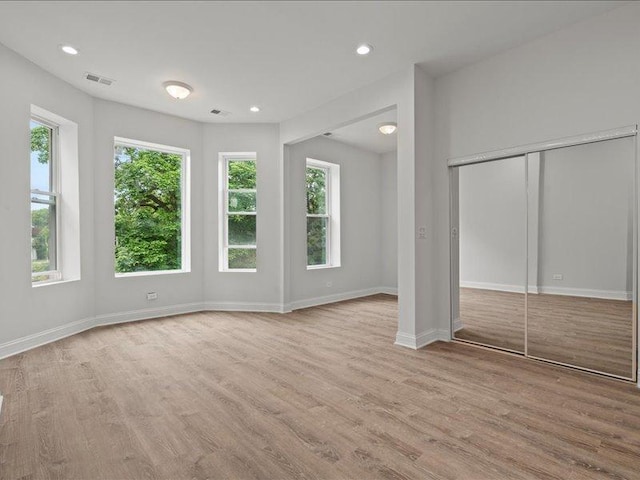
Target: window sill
54	282
321	267
239	270
149	274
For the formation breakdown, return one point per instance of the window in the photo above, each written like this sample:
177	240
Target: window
238	212
323	214
45	201
151	208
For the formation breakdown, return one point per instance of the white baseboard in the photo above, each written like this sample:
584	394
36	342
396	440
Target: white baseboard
147	314
585	292
28	342
0	406
338	297
551	290
244	307
457	325
422	339
389	290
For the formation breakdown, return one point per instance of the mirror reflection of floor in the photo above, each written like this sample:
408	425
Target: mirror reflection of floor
592	333
587	332
492	318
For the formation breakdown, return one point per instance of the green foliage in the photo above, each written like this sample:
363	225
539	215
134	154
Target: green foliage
242	258
147	210
316	190
40	233
40	142
317	230
242	174
316	240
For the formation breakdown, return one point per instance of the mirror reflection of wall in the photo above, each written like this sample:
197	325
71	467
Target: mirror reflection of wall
492	229
581	255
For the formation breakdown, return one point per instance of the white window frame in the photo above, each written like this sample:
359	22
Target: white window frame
185	204
54	181
223	209
332	200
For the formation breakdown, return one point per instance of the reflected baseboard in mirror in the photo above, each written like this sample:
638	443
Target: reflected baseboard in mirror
492	318
592	333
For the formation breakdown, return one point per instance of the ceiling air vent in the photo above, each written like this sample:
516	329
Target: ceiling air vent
92	77
222	113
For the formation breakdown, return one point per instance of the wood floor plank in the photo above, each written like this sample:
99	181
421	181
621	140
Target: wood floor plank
320	393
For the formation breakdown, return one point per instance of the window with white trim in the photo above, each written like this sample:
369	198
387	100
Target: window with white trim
45	201
238	212
323	214
151	199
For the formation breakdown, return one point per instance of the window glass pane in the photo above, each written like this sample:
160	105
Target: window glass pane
43	234
317	240
242	230
316	190
242	174
242	258
41	157
242	201
148	217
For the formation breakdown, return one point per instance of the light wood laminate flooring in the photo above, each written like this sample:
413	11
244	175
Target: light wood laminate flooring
320	393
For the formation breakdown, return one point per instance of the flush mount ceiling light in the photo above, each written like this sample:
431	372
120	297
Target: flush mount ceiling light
255	109
388	128
177	90
69	50
364	49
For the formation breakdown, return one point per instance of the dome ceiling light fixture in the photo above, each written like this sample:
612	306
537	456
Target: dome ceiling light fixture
255	109
177	90
387	128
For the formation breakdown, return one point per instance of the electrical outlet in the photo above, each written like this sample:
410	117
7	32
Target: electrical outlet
329	284
152	296
422	232
557	276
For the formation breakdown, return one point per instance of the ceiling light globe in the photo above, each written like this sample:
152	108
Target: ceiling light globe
178	90
255	109
388	128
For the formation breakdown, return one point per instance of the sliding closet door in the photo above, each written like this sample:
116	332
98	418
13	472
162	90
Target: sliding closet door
581	256
489	235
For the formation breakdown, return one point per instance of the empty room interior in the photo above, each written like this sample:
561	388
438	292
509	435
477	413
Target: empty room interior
319	240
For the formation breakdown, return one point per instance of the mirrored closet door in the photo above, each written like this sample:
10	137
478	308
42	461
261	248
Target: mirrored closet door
544	252
492	208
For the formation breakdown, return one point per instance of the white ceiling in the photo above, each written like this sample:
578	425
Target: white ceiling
287	57
365	134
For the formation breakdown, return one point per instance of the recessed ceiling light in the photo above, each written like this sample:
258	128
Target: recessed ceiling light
255	109
68	49
388	128
177	90
364	49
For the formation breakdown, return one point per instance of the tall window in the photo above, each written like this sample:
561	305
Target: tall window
45	201
323	214
151	210
238	177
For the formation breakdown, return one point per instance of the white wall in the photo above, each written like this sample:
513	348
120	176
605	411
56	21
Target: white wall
389	226
580	79
126	294
260	290
25	310
586	219
492	225
360	219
